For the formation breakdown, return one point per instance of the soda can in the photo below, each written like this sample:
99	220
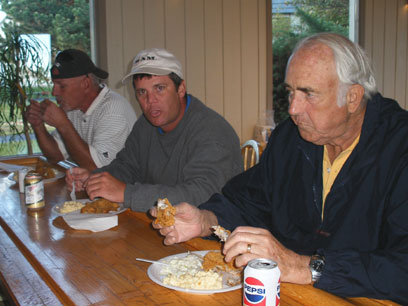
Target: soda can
261	283
34	191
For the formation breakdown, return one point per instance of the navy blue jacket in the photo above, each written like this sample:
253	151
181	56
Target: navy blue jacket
364	234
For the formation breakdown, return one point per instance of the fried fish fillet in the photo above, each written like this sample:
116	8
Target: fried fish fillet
165	213
100	206
221	232
215	261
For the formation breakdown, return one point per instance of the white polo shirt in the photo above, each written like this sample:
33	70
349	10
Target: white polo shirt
104	127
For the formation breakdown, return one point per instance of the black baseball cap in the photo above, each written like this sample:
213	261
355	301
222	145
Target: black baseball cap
71	63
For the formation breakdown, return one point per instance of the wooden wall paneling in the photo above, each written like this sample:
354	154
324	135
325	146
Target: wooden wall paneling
214	69
401	82
264	52
250	67
175	38
133	42
114	53
390	37
195	57
232	64
154	23
378	42
366	31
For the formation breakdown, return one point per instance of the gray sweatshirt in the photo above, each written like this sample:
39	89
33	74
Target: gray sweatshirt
188	164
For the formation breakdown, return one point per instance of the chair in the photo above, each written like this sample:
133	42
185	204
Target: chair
250	153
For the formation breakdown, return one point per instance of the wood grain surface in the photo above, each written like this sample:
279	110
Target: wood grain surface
45	262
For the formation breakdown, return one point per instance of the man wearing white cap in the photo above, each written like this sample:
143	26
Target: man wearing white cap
179	149
91	123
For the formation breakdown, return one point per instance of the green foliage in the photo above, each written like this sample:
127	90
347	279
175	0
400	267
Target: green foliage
66	20
21	76
314	16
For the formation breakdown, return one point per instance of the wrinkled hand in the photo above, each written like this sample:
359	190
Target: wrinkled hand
294	267
52	114
34	114
106	186
79	176
189	223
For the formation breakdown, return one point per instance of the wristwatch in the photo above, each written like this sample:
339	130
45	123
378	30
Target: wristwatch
316	265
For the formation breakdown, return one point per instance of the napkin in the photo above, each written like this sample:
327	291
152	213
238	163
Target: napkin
91	222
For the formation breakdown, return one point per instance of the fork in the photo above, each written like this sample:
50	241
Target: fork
72	194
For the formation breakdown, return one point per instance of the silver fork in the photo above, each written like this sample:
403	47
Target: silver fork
72	194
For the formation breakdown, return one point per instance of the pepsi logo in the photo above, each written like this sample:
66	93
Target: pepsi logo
254	291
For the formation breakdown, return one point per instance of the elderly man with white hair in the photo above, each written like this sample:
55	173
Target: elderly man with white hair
328	201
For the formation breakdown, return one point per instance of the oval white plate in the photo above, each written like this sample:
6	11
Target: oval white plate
56	209
154	274
58	174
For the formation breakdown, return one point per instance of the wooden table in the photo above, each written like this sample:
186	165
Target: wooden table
45	262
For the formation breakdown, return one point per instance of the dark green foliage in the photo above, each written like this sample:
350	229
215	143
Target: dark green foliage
21	75
66	20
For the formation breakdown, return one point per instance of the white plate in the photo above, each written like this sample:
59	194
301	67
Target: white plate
13	176
56	210
154	274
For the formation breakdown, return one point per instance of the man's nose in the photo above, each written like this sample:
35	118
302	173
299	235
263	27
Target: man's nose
296	103
150	97
54	91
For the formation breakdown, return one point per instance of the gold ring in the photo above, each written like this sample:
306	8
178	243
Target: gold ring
249	248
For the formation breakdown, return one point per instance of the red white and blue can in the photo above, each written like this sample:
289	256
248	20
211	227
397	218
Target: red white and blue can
261	283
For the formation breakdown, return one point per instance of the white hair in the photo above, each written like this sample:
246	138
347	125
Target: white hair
352	64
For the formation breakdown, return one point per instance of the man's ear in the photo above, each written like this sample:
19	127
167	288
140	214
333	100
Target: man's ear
354	97
86	83
182	89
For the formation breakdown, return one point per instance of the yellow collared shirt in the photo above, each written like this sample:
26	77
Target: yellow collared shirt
330	171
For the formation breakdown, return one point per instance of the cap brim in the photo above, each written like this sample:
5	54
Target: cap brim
102	74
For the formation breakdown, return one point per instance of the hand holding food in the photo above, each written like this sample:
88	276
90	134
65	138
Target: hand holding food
189	222
165	213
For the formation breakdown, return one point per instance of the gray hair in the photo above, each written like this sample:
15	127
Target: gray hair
97	82
352	64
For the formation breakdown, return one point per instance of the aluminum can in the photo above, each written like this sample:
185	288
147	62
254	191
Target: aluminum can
34	191
261	283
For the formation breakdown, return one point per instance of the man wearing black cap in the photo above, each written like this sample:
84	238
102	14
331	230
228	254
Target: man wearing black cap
92	122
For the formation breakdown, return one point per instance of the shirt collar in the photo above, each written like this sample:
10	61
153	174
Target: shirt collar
187	105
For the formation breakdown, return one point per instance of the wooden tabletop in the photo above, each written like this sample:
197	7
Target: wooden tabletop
45	262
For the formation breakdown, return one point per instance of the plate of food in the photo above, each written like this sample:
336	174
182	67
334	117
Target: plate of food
199	272
48	174
87	207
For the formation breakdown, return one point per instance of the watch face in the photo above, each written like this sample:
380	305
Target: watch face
317	265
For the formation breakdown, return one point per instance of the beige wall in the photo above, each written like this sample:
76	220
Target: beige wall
224	48
384	35
222	45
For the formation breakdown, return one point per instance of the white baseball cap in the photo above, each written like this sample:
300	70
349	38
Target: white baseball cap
155	61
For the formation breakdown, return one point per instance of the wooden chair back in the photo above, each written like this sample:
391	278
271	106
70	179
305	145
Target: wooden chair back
250	153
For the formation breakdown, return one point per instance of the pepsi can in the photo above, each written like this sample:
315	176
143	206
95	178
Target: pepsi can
261	283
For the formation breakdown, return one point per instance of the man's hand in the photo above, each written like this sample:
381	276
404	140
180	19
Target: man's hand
246	243
190	222
34	114
106	186
79	177
52	114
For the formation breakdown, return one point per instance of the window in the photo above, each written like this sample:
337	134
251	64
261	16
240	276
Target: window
49	27
295	19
